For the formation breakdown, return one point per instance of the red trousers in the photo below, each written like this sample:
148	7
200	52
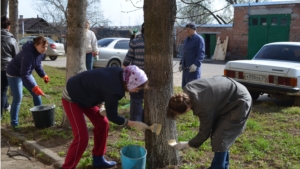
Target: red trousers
75	115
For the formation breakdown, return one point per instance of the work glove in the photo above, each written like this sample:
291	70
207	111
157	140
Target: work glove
182	145
46	79
193	68
38	91
180	68
139	125
102	111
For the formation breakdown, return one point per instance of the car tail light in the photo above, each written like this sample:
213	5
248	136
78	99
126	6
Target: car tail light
53	46
234	74
287	81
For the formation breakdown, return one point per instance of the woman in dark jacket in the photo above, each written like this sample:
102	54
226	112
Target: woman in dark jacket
9	49
19	73
222	106
82	96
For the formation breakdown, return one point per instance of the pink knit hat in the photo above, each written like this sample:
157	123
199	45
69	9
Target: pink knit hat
134	77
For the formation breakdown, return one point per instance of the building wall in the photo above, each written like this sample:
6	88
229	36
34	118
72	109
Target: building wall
295	24
238	34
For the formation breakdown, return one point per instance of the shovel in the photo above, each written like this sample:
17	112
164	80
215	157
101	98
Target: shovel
47	96
155	128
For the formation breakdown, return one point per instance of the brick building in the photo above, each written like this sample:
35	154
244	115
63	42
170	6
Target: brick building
254	25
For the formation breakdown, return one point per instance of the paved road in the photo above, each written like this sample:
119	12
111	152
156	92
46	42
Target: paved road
209	68
18	162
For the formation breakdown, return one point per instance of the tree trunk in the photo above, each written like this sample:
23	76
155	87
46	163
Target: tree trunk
75	46
159	16
13	17
4	4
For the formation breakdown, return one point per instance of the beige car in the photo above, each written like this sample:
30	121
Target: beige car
54	49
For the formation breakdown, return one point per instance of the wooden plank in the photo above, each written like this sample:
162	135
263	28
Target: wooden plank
217	48
221	48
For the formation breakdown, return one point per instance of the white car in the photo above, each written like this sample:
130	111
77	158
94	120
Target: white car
112	52
54	49
274	70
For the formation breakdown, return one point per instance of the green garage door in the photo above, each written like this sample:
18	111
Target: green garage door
265	29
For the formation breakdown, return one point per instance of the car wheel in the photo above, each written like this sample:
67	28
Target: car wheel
114	63
297	100
44	57
53	57
254	95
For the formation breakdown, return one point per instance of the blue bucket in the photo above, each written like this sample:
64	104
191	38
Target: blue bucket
133	157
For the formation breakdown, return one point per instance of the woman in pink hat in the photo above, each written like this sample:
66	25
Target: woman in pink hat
83	95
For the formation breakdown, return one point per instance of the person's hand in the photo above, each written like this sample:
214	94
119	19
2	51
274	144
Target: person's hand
38	91
46	79
193	68
102	111
182	145
95	54
139	125
180	68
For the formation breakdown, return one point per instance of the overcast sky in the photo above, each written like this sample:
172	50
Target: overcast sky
119	12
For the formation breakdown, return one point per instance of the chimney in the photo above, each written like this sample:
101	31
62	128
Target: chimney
37	16
21	16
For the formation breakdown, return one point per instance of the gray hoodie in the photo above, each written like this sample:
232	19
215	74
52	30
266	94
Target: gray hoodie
9	48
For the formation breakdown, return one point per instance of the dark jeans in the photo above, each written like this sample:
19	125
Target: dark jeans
220	161
4	87
136	106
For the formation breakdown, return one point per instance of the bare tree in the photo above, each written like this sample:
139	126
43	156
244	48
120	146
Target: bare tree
203	12
56	13
158	67
13	17
4	4
76	51
193	12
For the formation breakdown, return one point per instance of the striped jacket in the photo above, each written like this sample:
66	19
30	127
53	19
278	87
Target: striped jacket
135	54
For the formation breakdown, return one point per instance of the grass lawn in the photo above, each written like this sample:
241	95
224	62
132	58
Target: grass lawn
271	139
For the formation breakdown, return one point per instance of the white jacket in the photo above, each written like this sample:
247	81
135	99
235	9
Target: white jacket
90	42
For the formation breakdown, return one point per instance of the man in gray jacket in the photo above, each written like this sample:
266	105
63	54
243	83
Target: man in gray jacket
9	49
222	106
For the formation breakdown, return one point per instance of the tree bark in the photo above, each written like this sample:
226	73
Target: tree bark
75	46
159	16
13	17
4	4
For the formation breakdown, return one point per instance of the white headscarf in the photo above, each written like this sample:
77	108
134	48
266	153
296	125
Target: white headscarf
134	77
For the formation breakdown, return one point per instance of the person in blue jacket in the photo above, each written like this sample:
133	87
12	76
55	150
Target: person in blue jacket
194	51
19	73
84	95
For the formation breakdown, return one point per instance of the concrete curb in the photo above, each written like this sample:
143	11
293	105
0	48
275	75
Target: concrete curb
43	154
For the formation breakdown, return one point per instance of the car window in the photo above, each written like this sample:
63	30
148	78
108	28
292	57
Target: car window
279	52
50	40
23	41
122	44
104	42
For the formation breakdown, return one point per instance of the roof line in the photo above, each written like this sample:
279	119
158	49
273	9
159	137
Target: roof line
267	3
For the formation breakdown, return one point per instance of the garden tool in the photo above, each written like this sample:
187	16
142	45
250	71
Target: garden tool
155	128
47	96
172	142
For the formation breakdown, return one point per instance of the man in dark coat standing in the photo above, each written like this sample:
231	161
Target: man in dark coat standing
9	49
194	51
135	56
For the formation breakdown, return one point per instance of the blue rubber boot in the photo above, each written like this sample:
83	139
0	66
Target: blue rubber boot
100	162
